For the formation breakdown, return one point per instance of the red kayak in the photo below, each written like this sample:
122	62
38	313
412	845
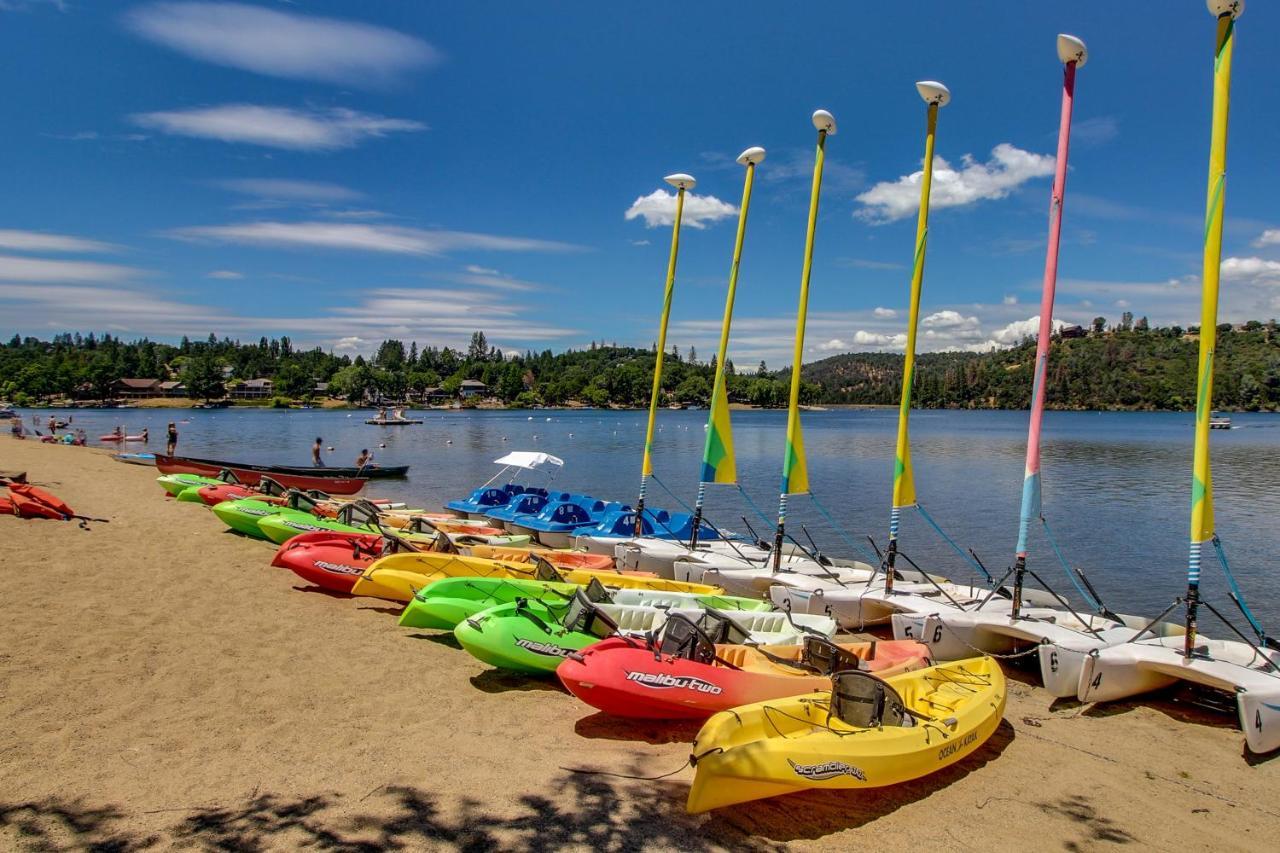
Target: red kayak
630	678
27	501
214	495
330	559
250	477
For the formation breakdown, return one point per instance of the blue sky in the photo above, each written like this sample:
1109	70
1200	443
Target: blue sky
344	172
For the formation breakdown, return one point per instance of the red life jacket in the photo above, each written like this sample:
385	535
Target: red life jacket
31	502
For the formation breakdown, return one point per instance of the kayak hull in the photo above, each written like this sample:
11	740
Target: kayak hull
626	679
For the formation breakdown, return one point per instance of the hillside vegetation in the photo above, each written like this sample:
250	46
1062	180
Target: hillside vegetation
1126	367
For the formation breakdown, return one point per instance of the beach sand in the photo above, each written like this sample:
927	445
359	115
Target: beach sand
162	686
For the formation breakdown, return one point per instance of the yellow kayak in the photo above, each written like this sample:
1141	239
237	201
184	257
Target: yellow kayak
864	733
398	576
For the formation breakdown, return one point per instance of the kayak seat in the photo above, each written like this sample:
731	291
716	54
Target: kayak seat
865	702
736	656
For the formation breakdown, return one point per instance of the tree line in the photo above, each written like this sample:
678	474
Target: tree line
1130	365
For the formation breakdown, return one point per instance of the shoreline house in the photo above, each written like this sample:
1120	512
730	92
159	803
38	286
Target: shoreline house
472	388
434	396
136	389
251	389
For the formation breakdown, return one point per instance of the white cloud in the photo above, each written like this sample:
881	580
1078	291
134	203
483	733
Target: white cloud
1014	332
1122	303
948	319
1254	270
639	242
282	189
477	276
833	345
351	343
1008	168
659	208
39	241
225	275
281	44
13	268
1010	299
880	340
363	237
277	127
479	270
885	313
862	263
1269	237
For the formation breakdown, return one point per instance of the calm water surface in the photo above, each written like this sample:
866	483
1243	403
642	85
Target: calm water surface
1116	485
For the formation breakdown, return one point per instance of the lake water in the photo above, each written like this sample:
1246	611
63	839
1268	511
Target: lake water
1116	485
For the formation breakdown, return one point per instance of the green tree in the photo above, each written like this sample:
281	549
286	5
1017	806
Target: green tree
203	378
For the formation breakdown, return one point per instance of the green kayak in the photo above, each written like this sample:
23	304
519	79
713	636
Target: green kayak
532	637
449	601
285	524
175	484
242	515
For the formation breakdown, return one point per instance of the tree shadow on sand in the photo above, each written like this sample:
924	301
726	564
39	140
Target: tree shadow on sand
577	811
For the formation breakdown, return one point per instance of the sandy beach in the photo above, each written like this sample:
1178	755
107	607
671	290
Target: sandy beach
162	686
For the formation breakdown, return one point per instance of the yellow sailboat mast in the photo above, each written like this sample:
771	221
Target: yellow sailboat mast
681	182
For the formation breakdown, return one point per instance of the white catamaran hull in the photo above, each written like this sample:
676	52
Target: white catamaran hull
1131	669
737	577
1063	640
859	605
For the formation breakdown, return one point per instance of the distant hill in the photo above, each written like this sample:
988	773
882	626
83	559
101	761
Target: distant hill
1125	368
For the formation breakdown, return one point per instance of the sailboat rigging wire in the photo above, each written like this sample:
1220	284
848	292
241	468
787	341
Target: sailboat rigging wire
1066	567
674	496
757	509
951	541
1065	604
840	531
929	578
1250	643
1237	595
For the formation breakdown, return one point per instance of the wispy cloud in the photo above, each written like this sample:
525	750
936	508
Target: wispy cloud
659	208
1270	237
282	44
277	127
286	190
1008	168
14	268
225	275
885	313
364	237
1098	130
40	241
864	264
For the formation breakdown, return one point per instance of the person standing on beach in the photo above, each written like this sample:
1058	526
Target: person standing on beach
315	453
173	439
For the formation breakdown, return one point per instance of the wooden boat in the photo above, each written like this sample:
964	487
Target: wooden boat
368	472
339	485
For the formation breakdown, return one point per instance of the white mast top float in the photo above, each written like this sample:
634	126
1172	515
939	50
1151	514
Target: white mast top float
934	92
824	120
681	181
1234	8
751	156
1072	49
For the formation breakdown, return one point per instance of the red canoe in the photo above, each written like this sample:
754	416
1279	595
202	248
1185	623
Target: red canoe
250	477
329	559
625	678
